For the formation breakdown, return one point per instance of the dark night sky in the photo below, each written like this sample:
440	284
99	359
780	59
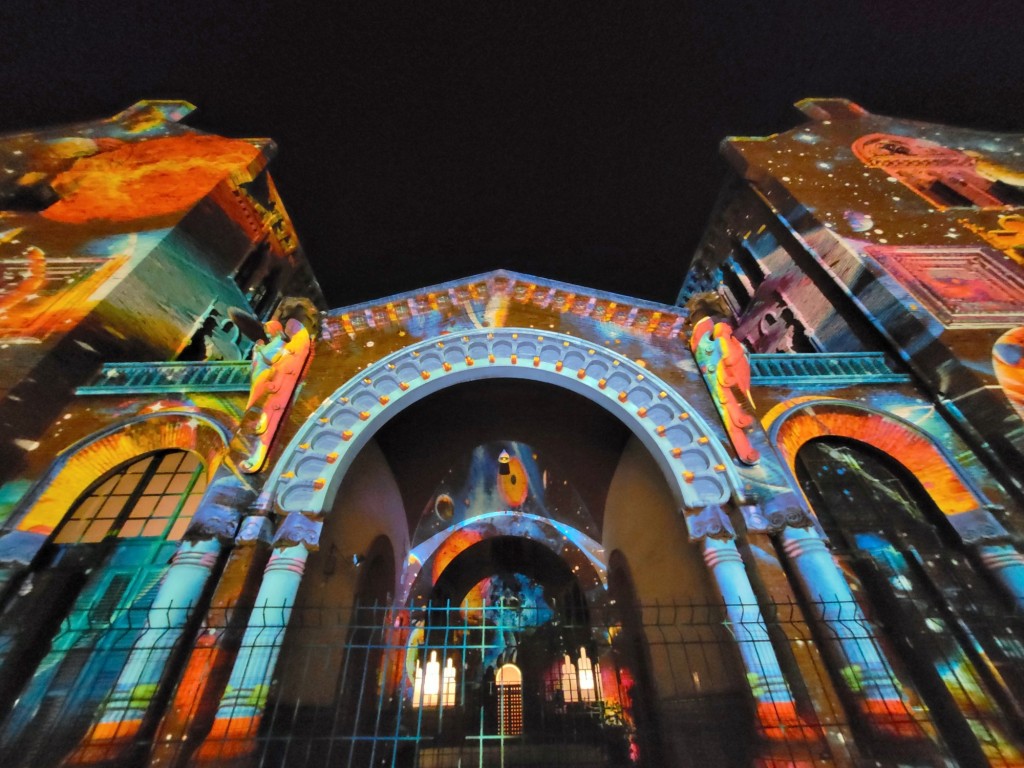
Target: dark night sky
425	141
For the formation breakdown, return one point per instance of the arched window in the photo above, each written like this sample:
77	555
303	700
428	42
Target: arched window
153	496
111	552
903	558
857	493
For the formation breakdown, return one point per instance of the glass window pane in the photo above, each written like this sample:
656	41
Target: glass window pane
191	505
106	506
166	506
179	483
144	506
190	463
112	507
97	530
70	533
158	484
155	527
87	509
170	462
178	529
126	484
131	529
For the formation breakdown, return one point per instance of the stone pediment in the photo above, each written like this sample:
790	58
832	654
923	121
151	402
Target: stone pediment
484	300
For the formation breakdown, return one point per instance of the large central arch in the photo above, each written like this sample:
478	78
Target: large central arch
698	468
700	474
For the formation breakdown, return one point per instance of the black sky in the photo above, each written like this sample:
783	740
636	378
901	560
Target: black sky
424	141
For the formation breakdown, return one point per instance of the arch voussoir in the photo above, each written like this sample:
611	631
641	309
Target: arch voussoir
700	471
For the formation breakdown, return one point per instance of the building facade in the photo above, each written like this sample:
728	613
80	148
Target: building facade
508	520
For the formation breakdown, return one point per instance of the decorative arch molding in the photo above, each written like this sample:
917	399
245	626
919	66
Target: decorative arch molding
807	419
81	464
560	539
699	470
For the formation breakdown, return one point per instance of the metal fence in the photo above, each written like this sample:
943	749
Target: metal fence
661	685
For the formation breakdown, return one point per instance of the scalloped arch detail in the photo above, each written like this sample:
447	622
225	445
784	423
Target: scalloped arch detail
699	470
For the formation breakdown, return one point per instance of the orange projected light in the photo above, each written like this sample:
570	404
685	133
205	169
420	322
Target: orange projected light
512	481
148	179
913	450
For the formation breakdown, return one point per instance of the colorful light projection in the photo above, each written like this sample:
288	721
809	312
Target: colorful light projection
1008	362
820	417
944	177
725	366
148	179
282	351
502	476
81	464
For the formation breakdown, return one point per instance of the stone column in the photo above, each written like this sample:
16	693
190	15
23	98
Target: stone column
776	709
190	712
863	668
1006	565
242	705
122	713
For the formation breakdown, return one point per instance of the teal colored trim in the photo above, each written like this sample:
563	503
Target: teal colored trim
143	378
823	369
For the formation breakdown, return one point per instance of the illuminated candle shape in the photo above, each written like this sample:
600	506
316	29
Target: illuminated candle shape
432	681
570	692
417	685
587	692
448	698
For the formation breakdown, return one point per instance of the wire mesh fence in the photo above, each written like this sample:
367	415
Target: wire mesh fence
511	685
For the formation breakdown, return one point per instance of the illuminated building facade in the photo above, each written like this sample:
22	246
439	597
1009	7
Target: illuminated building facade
507	520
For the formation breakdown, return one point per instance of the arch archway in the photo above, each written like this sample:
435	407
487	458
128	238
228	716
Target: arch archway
901	558
963	506
695	463
701	478
90	607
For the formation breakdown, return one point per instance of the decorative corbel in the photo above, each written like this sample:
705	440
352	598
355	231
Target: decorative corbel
709	522
298	529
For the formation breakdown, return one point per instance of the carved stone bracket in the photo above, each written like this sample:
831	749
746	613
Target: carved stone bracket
978	527
297	529
710	522
255	529
781	511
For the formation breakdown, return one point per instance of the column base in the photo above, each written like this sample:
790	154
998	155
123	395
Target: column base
229	739
781	722
106	744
